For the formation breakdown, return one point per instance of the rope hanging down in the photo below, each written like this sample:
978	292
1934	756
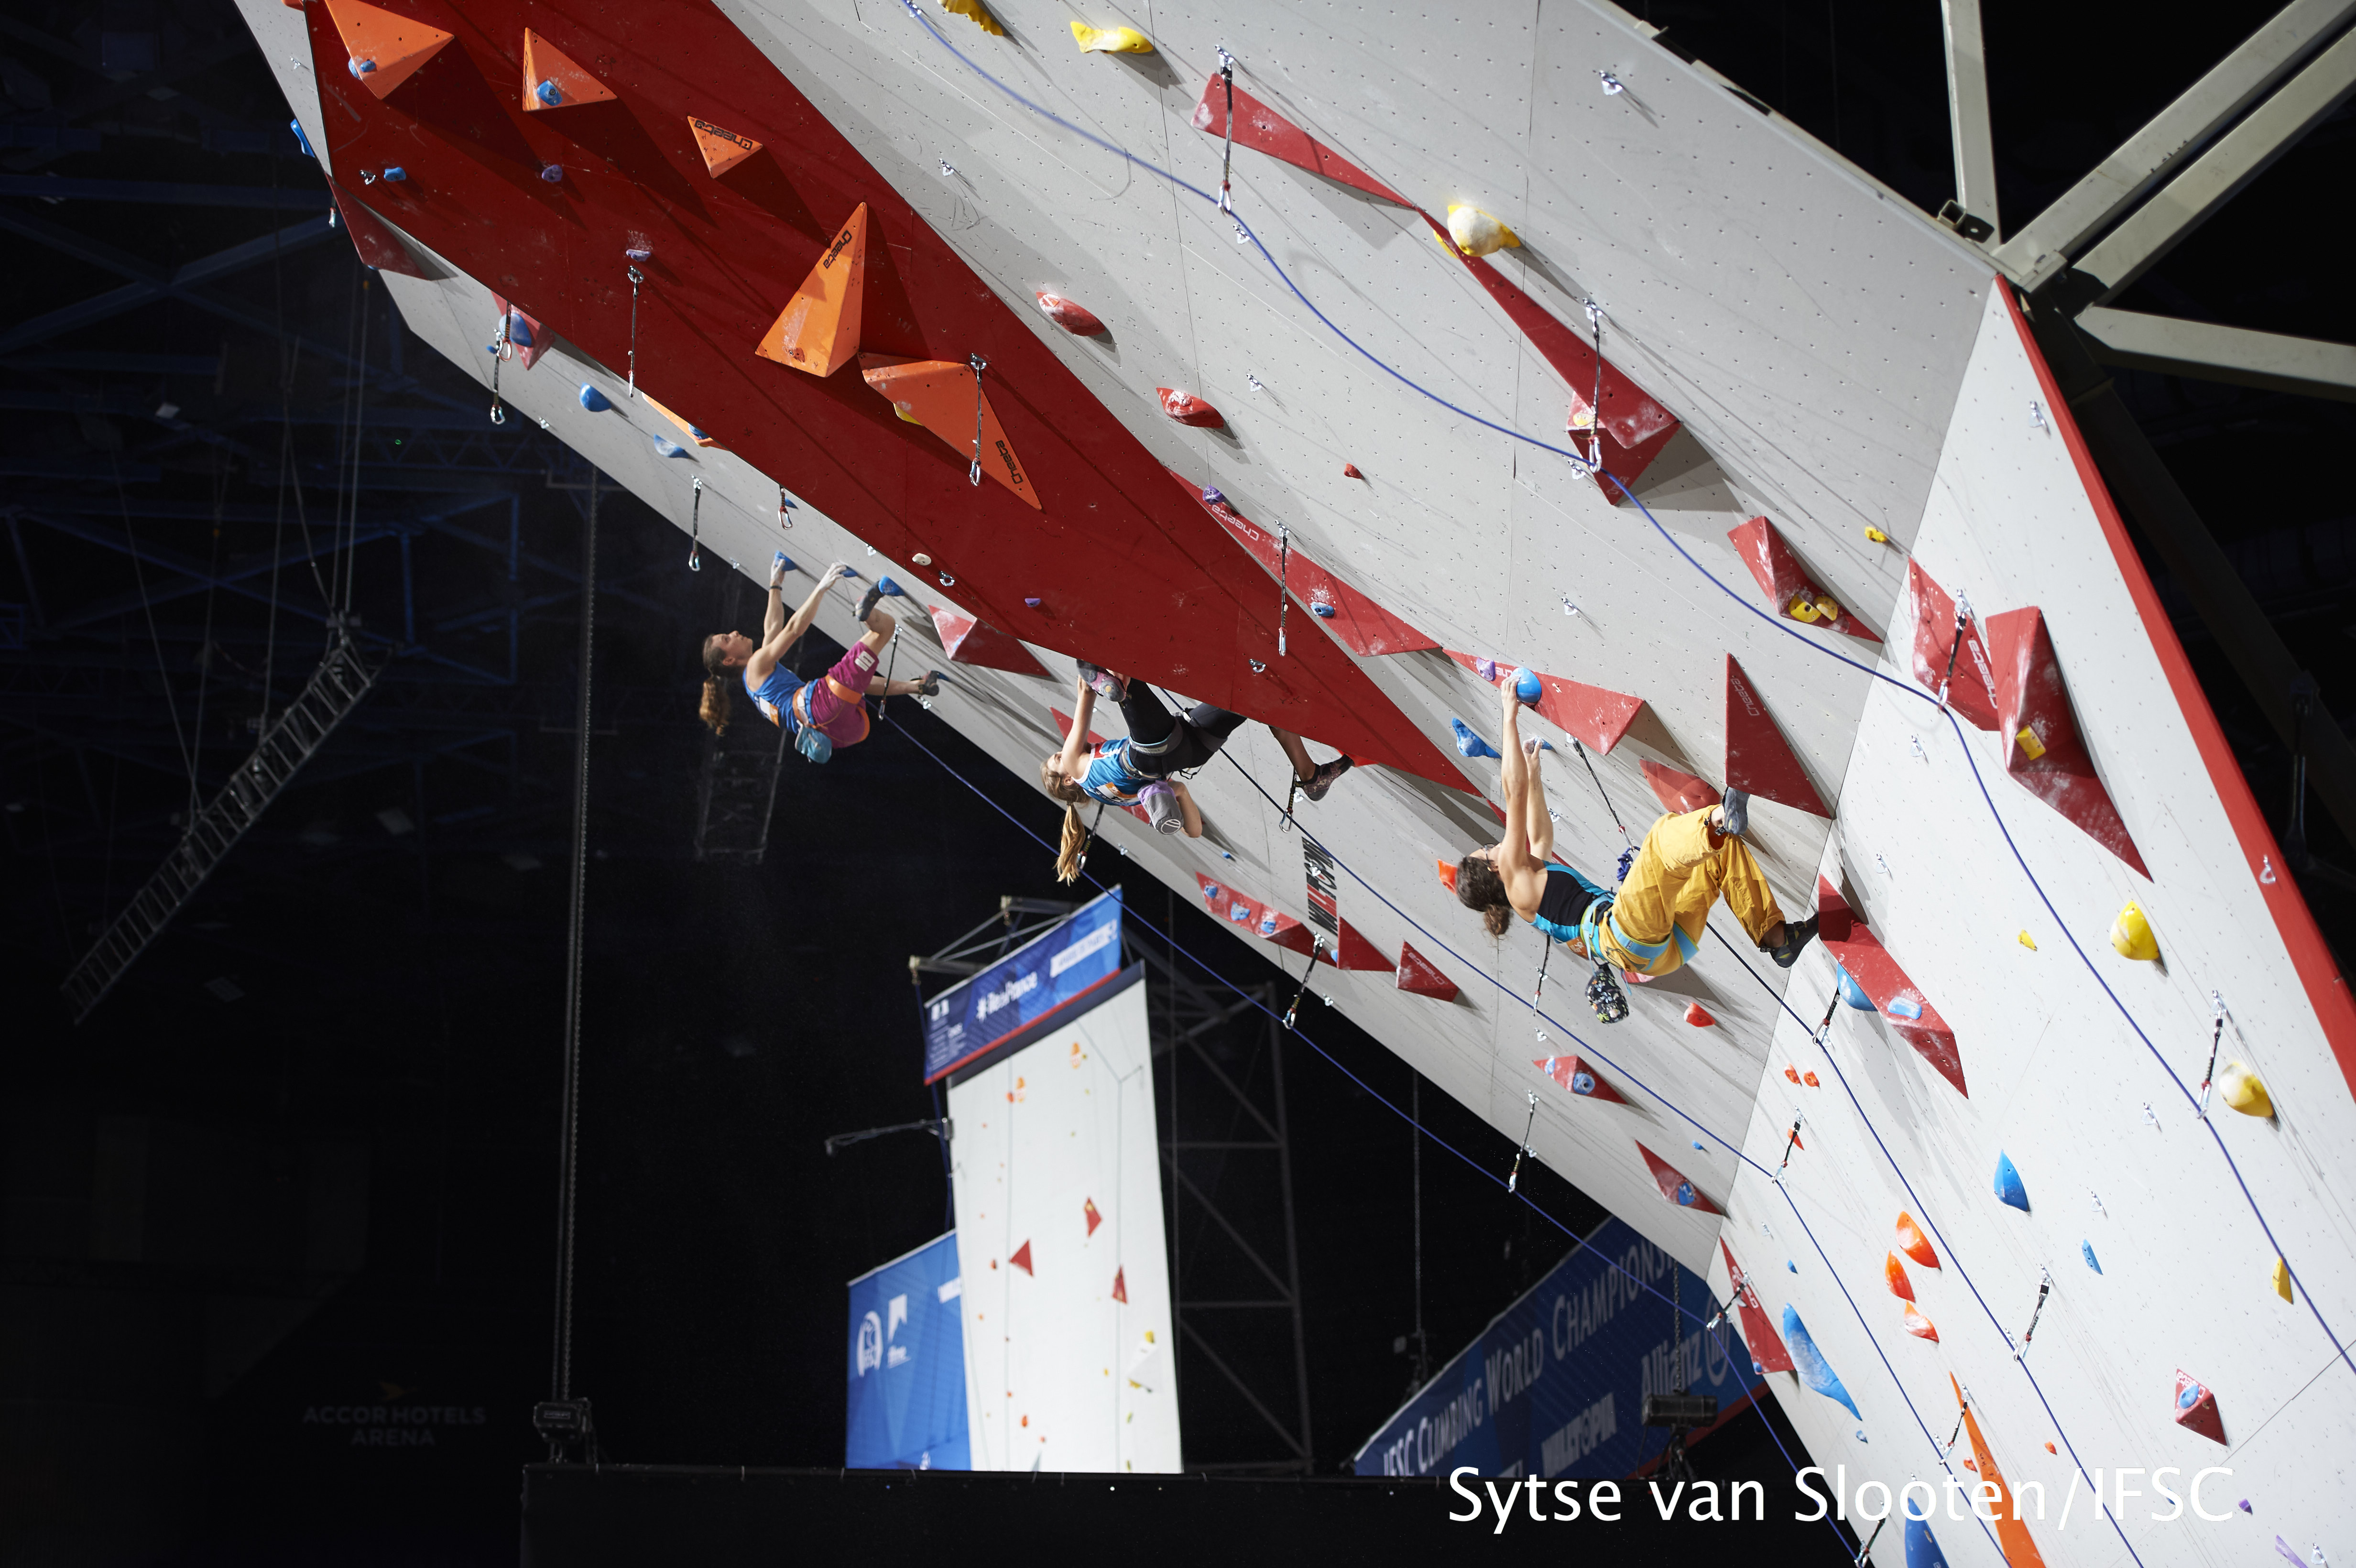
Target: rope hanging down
973	474
569	1113
635	255
695	528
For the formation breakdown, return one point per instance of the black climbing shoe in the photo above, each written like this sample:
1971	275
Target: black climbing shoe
1103	682
873	597
1315	785
1795	938
1737	806
931	685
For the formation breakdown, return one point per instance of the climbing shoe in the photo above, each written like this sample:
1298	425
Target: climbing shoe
1737	806
1795	938
1604	997
1315	785
1103	682
867	603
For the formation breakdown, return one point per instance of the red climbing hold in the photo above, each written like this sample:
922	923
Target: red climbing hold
1350	471
1357	622
1791	591
2196	1408
1263	129
1920	1326
1357	953
2050	1449
1675	1187
1887	985
1188	409
1579	1078
1077	320
2045	749
1446	870
377	245
818	329
1914	1243
1088	1213
1931	612
1893	1273
551	81
1758	758
1590	714
1810	1080
386	50
941	395
1677	790
975	642
1765	1345
1021	1259
1699	1016
1419	976
1120	1285
1792	1072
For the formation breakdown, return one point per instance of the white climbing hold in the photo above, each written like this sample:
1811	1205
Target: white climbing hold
1477	233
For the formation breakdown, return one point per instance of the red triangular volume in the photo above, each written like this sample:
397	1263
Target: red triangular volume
1357	953
1791	591
1238	907
2044	748
528	353
1088	1212
1263	129
1578	1078
2196	1408
1767	1353
379	246
1021	1259
1927	608
1635	426
1420	976
1676	791
1675	1187
1900	1001
1356	622
1758	758
1596	716
969	641
1120	1285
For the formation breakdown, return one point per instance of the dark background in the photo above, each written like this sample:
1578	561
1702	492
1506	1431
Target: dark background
304	1157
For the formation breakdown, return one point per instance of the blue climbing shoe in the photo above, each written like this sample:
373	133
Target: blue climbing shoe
1103	682
1737	806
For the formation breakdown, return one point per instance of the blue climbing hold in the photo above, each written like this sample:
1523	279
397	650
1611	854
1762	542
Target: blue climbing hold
1584	1083
395	173
782	561
361	68
854	576
519	330
2087	1250
2008	1183
1528	688
666	447
1790	1264
595	402
1032	603
552	173
1697	1143
1684	1194
1468	744
1211	497
1905	1008
1323	611
1921	1546
548	92
890	589
301	140
1852	992
1810	1363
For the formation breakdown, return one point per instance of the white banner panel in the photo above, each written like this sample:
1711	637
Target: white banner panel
1058	1182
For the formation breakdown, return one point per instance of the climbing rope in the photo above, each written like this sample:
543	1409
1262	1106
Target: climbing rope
636	278
973	474
695	528
1283	583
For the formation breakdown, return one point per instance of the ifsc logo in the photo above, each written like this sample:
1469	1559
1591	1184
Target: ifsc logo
874	1349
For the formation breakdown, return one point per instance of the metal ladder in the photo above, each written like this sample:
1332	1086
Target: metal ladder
333	691
737	794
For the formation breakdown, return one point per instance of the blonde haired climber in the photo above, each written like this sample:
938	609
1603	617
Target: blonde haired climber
1650	924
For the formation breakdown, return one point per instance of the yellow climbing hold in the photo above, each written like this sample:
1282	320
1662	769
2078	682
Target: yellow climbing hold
1876	536
2243	1089
905	413
977	13
2030	743
1827	607
2131	934
1802	607
1110	41
1478	234
2028	942
2282	1279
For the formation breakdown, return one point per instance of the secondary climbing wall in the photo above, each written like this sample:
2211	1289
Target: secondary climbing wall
1828	421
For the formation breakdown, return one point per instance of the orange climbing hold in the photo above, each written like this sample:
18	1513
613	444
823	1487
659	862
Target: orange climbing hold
694	434
721	150
1699	1016
1447	874
1893	1273
2050	1449
1758	758
1914	1243
945	397
1790	590
1810	1080
1792	1072
2012	1536
1921	1327
386	50
1676	791
1188	409
818	329
550	80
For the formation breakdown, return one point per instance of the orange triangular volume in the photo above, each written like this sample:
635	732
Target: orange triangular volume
385	49
721	150
818	329
1921	1327
2012	1536
550	80
1022	1258
697	436
1758	758
939	394
1914	1243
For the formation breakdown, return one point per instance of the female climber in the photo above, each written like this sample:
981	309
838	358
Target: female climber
820	714
1136	769
1650	924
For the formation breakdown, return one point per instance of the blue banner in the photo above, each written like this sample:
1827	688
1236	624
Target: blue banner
1556	1384
972	1016
908	1364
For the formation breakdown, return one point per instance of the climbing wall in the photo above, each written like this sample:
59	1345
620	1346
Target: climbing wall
1821	420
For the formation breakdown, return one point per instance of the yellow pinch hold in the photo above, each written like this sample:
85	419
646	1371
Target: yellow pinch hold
977	13
1876	536
2028	942
2243	1089
1110	41
1477	233
2131	935
2030	743
2282	1279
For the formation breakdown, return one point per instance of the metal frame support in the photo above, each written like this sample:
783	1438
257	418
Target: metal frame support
2235	355
1967	121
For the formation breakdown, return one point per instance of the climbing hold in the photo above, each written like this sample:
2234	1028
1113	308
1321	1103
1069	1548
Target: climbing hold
1418	975
2086	1250
782	561
551	81
1697	1143
1905	1008
1810	1363
1876	536
1921	1327
386	50
721	150
1110	41
1790	1264
1786	583
2282	1279
1699	1016
2131	934
1810	1080
666	447
2048	755
2008	1183
1447	874
1914	1243
1077	320
890	589
1528	688
2028	942
902	411
1852	992
1478	234
694	434
818	329
977	14
1188	409
1468	744
1214	497
1676	791
395	173
1034	603
1323	611
595	402
943	394
1581	1079
1893	1273
2243	1089
1792	1072
553	174
1350	471
2196	1408
1674	1186
1758	758
973	642
1921	1546
2244	1505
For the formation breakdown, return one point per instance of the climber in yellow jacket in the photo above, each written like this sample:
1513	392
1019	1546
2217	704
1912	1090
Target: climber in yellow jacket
1652	922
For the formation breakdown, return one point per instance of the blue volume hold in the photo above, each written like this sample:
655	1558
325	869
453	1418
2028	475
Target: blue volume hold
395	173
1528	688
548	92
519	330
890	589
782	561
666	447
301	140
2008	1183
2086	1250
1468	744
595	402
1921	1546
1323	611
1809	1361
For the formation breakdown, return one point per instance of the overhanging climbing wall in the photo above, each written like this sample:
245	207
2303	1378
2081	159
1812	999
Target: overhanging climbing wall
1826	361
